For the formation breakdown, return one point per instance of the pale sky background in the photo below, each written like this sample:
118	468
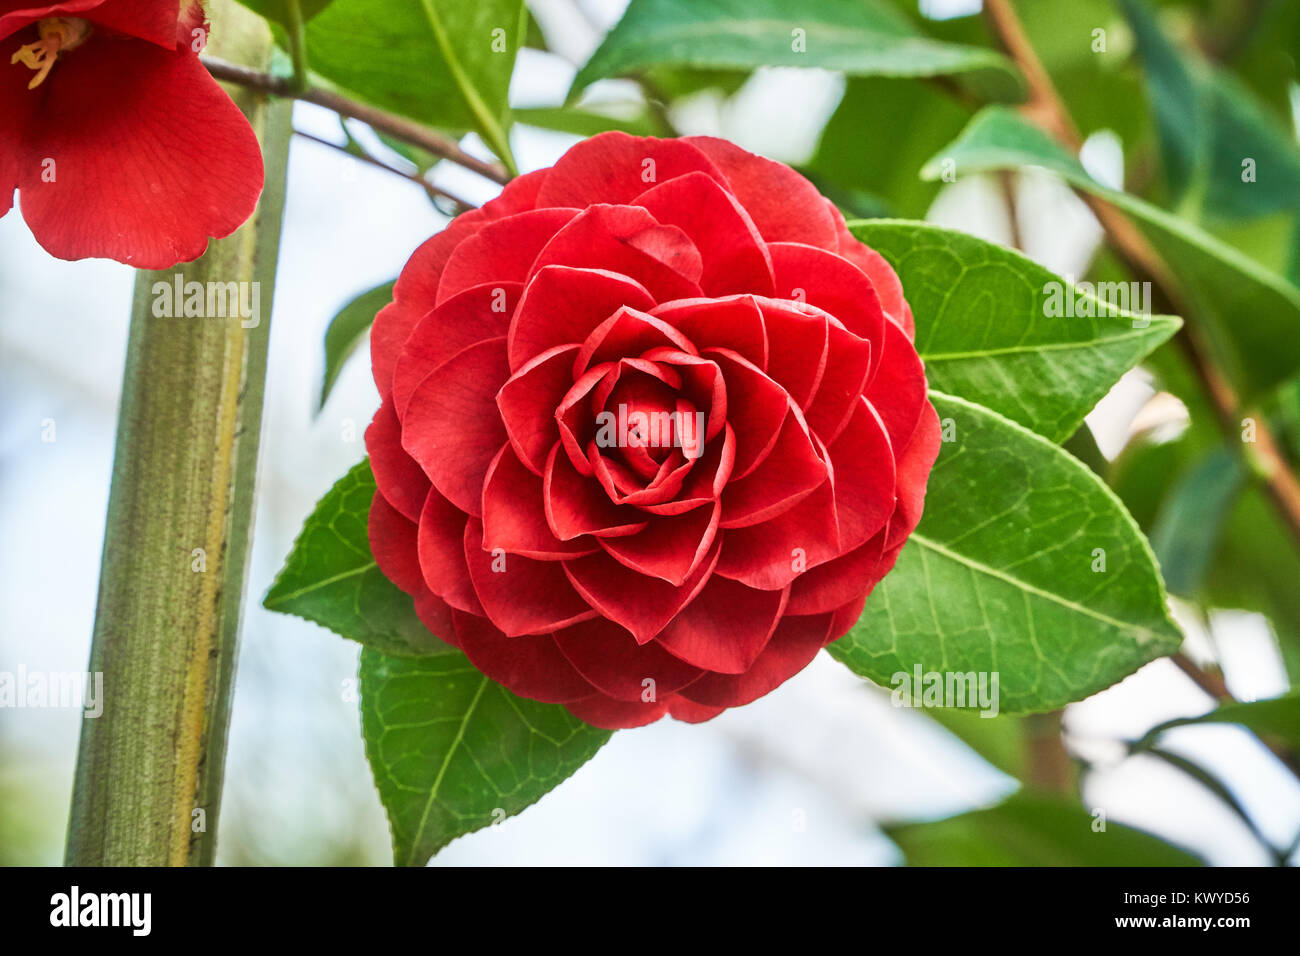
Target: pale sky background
826	749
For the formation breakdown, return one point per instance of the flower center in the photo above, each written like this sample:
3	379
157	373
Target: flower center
58	35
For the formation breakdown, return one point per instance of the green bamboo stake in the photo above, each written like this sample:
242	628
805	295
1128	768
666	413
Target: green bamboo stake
148	780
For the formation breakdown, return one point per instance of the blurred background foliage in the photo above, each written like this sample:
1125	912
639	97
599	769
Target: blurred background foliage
1167	96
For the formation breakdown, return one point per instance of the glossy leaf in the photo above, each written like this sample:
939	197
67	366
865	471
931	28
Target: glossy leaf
1024	564
1249	313
1032	830
1001	740
1275	717
1222	153
278	11
331	579
915	118
453	752
858	37
1000	330
634	120
347	330
1185	537
443	62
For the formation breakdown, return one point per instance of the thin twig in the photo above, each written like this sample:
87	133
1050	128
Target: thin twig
430	188
1046	109
1007	185
1212	683
398	127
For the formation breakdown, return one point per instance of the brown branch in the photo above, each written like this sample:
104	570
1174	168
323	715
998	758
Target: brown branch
398	127
1213	684
1044	106
1210	682
1046	109
1048	766
430	188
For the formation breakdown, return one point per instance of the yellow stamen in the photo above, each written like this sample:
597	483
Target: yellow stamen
58	35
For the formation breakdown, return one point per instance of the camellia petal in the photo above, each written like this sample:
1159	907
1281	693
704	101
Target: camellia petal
783	205
616	168
628	240
642	605
615	664
111	102
529	666
897	393
398	476
474	315
734	254
725	629
732	322
514	517
792	647
520	595
452	426
527	402
393	538
831	283
563	304
442	553
502	251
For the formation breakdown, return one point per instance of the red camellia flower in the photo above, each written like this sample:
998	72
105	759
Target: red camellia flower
117	139
652	428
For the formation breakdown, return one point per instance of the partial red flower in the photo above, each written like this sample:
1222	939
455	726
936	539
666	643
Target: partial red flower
652	428
118	141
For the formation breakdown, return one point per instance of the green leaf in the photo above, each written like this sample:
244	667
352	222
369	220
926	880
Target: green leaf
347	329
914	118
442	62
858	37
1185	536
331	578
986	330
1083	446
1000	740
999	575
453	752
277	11
1293	259
635	120
421	159
1209	124
1175	99
1032	830
1276	717
678	82
1249	313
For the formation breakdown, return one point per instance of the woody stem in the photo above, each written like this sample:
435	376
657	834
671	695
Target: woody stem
147	788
